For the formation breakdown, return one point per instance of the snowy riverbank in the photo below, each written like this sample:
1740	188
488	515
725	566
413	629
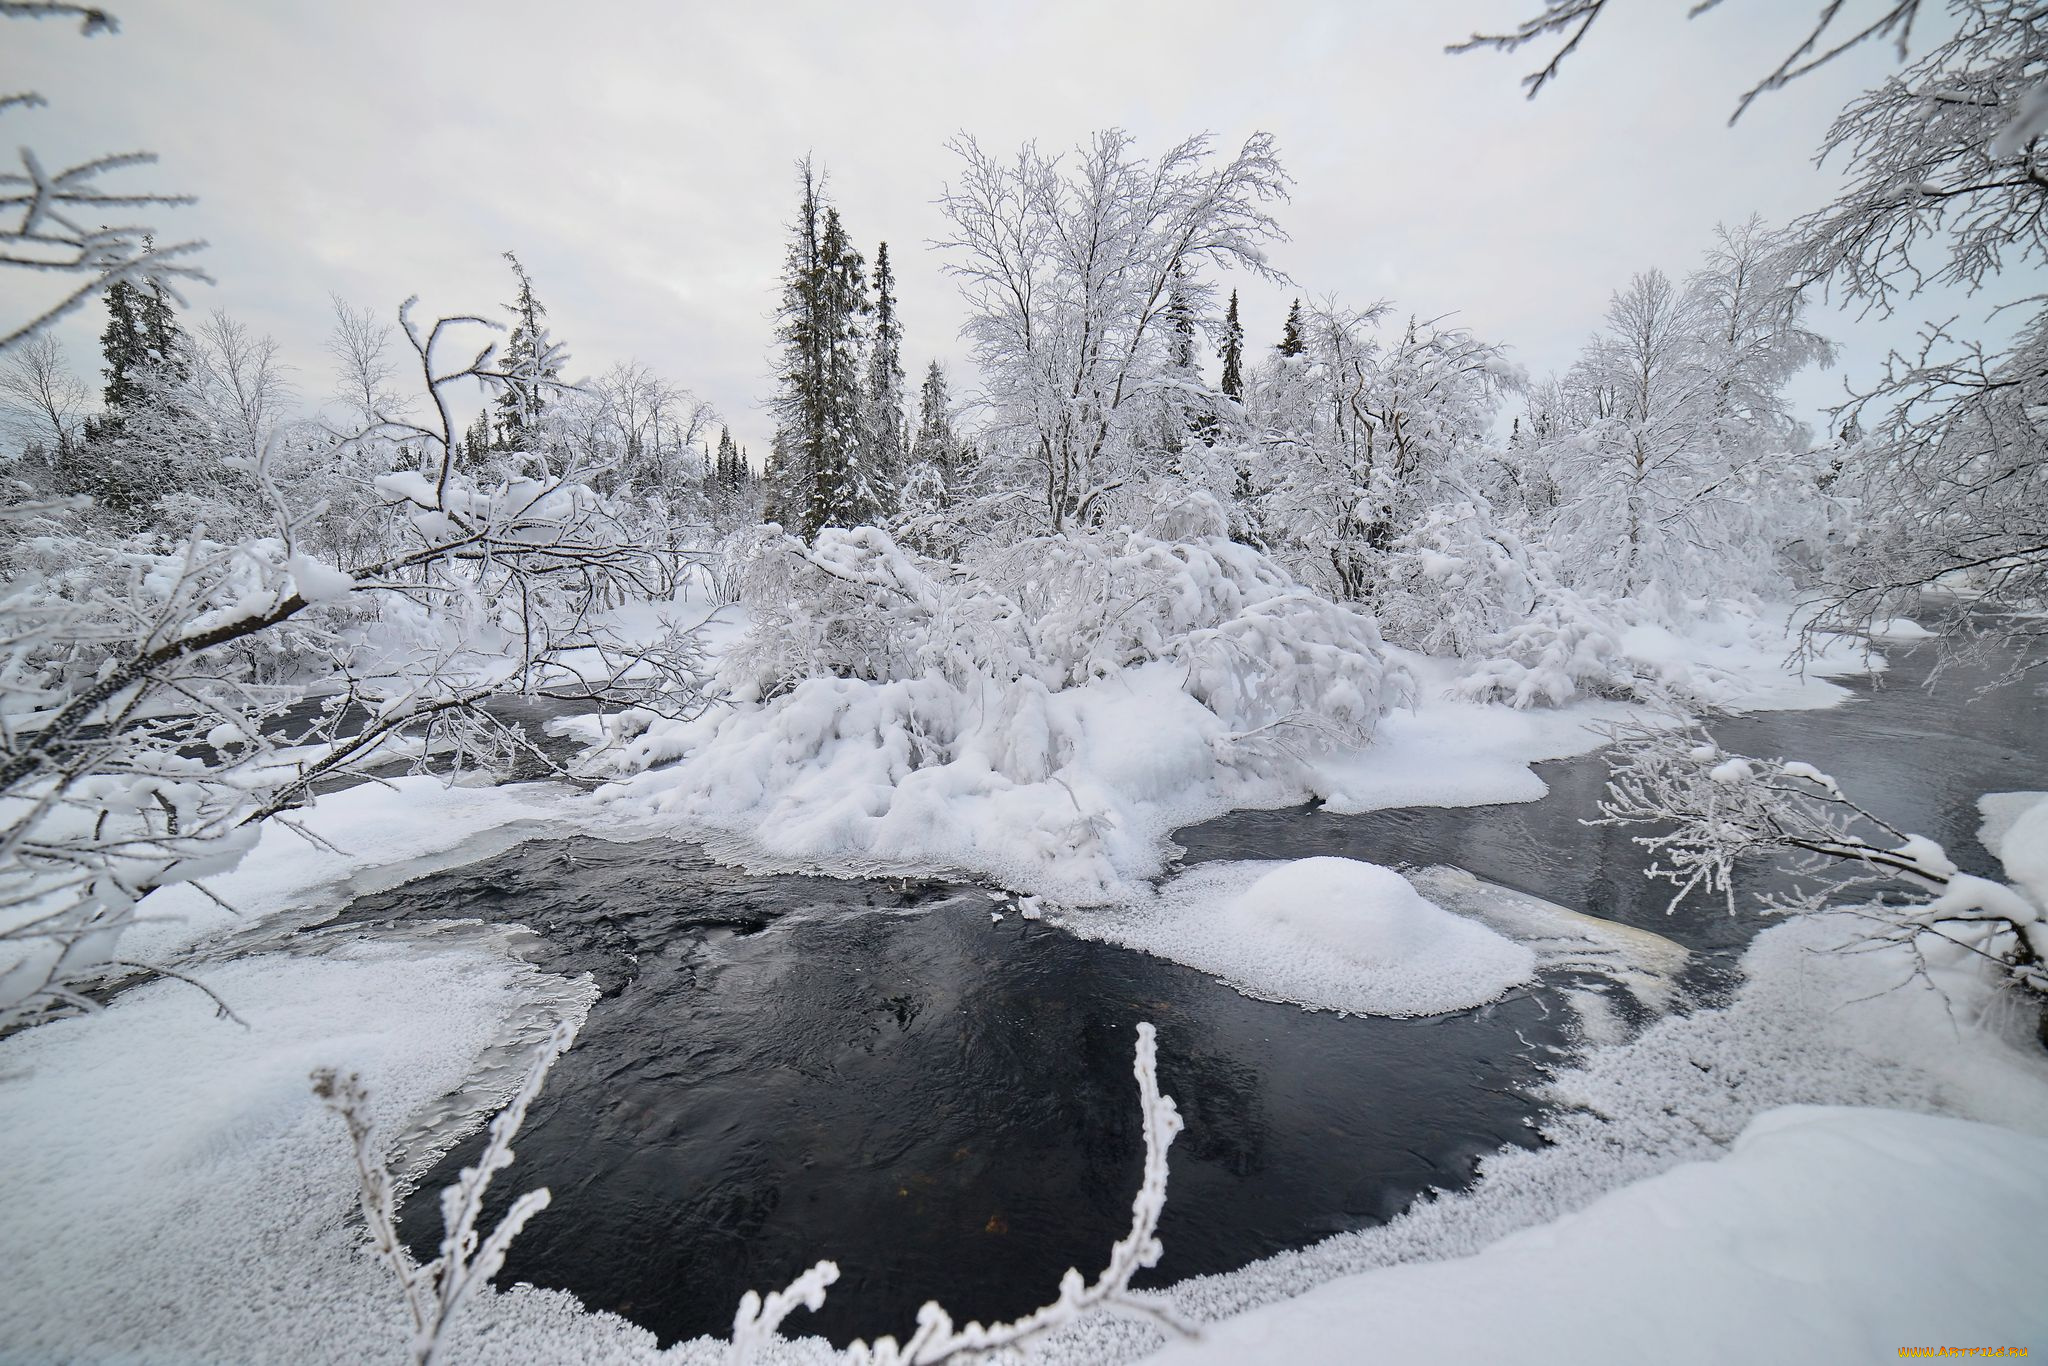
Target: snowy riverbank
198	1194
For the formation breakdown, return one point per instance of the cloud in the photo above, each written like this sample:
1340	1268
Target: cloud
638	155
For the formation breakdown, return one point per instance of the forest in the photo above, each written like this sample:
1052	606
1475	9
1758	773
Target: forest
1093	697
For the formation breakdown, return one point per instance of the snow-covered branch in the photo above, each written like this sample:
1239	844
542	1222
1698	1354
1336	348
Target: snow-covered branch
1714	811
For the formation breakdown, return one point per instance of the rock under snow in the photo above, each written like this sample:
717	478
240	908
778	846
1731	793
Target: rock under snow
1329	933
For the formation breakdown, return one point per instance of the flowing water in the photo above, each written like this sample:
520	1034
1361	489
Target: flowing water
785	1068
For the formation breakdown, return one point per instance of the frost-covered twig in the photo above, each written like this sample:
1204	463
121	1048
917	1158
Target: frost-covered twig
936	1339
1718	810
435	1293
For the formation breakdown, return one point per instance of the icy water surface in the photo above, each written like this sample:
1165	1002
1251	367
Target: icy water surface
787	1068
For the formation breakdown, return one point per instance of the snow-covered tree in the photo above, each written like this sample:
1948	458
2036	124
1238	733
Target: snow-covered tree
364	371
1945	185
1067	268
532	361
822	472
1232	382
887	429
43	399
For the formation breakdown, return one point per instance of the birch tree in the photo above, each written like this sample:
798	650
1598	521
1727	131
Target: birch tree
1067	265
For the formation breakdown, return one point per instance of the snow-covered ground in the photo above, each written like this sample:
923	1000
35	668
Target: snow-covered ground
1824	1235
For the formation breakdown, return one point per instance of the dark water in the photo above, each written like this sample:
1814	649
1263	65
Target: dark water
1915	757
787	1068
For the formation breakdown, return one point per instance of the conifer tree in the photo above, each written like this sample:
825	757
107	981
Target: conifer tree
935	447
527	354
123	345
476	441
886	426
1294	340
1233	353
820	470
1180	367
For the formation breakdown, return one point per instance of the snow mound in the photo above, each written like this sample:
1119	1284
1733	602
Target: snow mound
1327	933
2016	830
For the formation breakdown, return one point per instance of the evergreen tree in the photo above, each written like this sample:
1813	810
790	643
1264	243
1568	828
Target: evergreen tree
122	343
1294	340
476	441
935	448
886	428
821	473
138	449
1233	353
529	356
1180	368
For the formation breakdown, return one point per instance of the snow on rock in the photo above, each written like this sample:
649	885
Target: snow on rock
1899	630
1832	1234
1329	933
1448	750
2016	830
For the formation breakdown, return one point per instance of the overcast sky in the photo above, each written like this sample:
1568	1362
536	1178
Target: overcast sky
638	156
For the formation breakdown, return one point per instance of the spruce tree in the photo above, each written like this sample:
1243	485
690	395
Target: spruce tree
820	469
1294	340
1180	368
1233	353
528	358
846	488
138	449
123	345
886	427
935	447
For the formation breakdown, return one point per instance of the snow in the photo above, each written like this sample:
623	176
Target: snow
1899	630
1329	933
1068	794
317	580
1445	750
1829	1234
173	1174
366	838
2016	830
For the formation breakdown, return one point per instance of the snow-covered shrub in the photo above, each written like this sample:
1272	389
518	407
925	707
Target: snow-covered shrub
149	688
1561	650
1295	657
1060	612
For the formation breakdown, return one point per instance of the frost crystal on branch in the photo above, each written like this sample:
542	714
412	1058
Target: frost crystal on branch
936	1339
435	1293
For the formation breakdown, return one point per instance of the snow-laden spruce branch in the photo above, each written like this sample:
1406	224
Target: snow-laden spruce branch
1711	812
435	1294
936	1339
